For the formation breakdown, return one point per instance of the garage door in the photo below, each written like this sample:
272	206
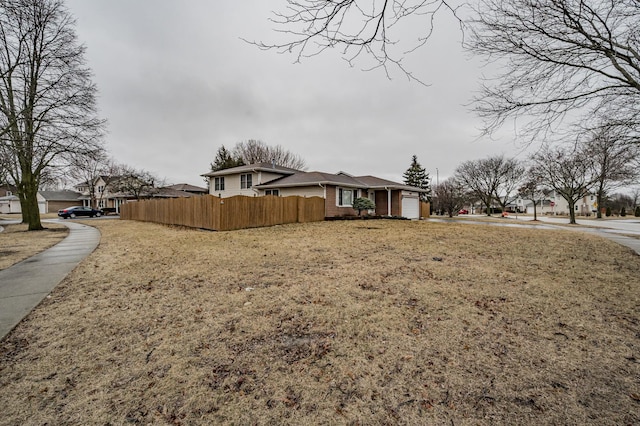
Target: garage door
411	207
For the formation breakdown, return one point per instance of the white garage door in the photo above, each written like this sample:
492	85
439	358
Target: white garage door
411	207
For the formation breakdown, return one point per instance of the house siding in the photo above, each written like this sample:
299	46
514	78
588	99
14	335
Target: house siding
232	186
381	203
331	207
382	206
304	191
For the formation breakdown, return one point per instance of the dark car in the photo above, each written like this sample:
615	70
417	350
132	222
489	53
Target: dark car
76	211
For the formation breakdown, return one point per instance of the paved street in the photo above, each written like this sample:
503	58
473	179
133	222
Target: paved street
626	226
613	229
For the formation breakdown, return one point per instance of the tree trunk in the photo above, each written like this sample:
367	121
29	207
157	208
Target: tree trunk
535	213
599	198
572	213
28	194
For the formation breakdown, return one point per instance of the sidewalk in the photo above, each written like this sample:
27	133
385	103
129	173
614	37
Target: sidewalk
24	285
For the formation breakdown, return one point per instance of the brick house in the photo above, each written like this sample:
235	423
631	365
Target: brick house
338	190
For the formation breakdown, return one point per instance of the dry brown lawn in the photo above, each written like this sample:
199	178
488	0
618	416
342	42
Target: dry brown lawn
376	322
17	244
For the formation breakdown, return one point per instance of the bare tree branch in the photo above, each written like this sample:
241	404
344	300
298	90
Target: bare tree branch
359	28
563	62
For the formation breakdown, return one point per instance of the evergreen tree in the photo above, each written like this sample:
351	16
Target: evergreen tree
417	176
224	160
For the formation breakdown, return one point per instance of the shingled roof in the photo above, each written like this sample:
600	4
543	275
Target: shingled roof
257	167
339	179
60	195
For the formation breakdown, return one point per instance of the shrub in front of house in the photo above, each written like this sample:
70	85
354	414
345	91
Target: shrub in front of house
637	212
608	213
363	203
623	212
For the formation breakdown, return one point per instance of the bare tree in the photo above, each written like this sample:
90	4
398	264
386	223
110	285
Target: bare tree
533	190
369	28
449	196
89	170
511	174
255	151
489	179
612	161
47	99
566	169
562	61
135	183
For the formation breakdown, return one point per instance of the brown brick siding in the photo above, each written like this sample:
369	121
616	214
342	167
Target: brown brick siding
331	209
396	203
382	204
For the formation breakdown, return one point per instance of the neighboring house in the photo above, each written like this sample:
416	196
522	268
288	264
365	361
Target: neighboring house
7	190
52	201
10	204
107	196
103	194
338	190
189	189
554	204
48	201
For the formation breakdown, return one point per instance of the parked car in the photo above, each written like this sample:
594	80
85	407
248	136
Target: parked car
75	211
463	211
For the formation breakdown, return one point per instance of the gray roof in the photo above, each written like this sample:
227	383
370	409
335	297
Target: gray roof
257	167
312	179
373	182
319	178
185	187
168	192
60	195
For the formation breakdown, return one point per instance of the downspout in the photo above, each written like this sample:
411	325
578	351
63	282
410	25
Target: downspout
324	195
255	191
388	201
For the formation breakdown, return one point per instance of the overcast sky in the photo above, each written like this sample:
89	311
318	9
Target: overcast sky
176	82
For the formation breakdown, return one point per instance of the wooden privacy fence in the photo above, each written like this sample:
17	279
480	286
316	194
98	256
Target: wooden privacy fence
425	209
225	214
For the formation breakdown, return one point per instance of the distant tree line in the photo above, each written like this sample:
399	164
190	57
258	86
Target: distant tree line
595	163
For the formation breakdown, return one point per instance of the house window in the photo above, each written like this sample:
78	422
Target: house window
101	204
101	189
9	193
218	183
245	181
346	197
275	192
